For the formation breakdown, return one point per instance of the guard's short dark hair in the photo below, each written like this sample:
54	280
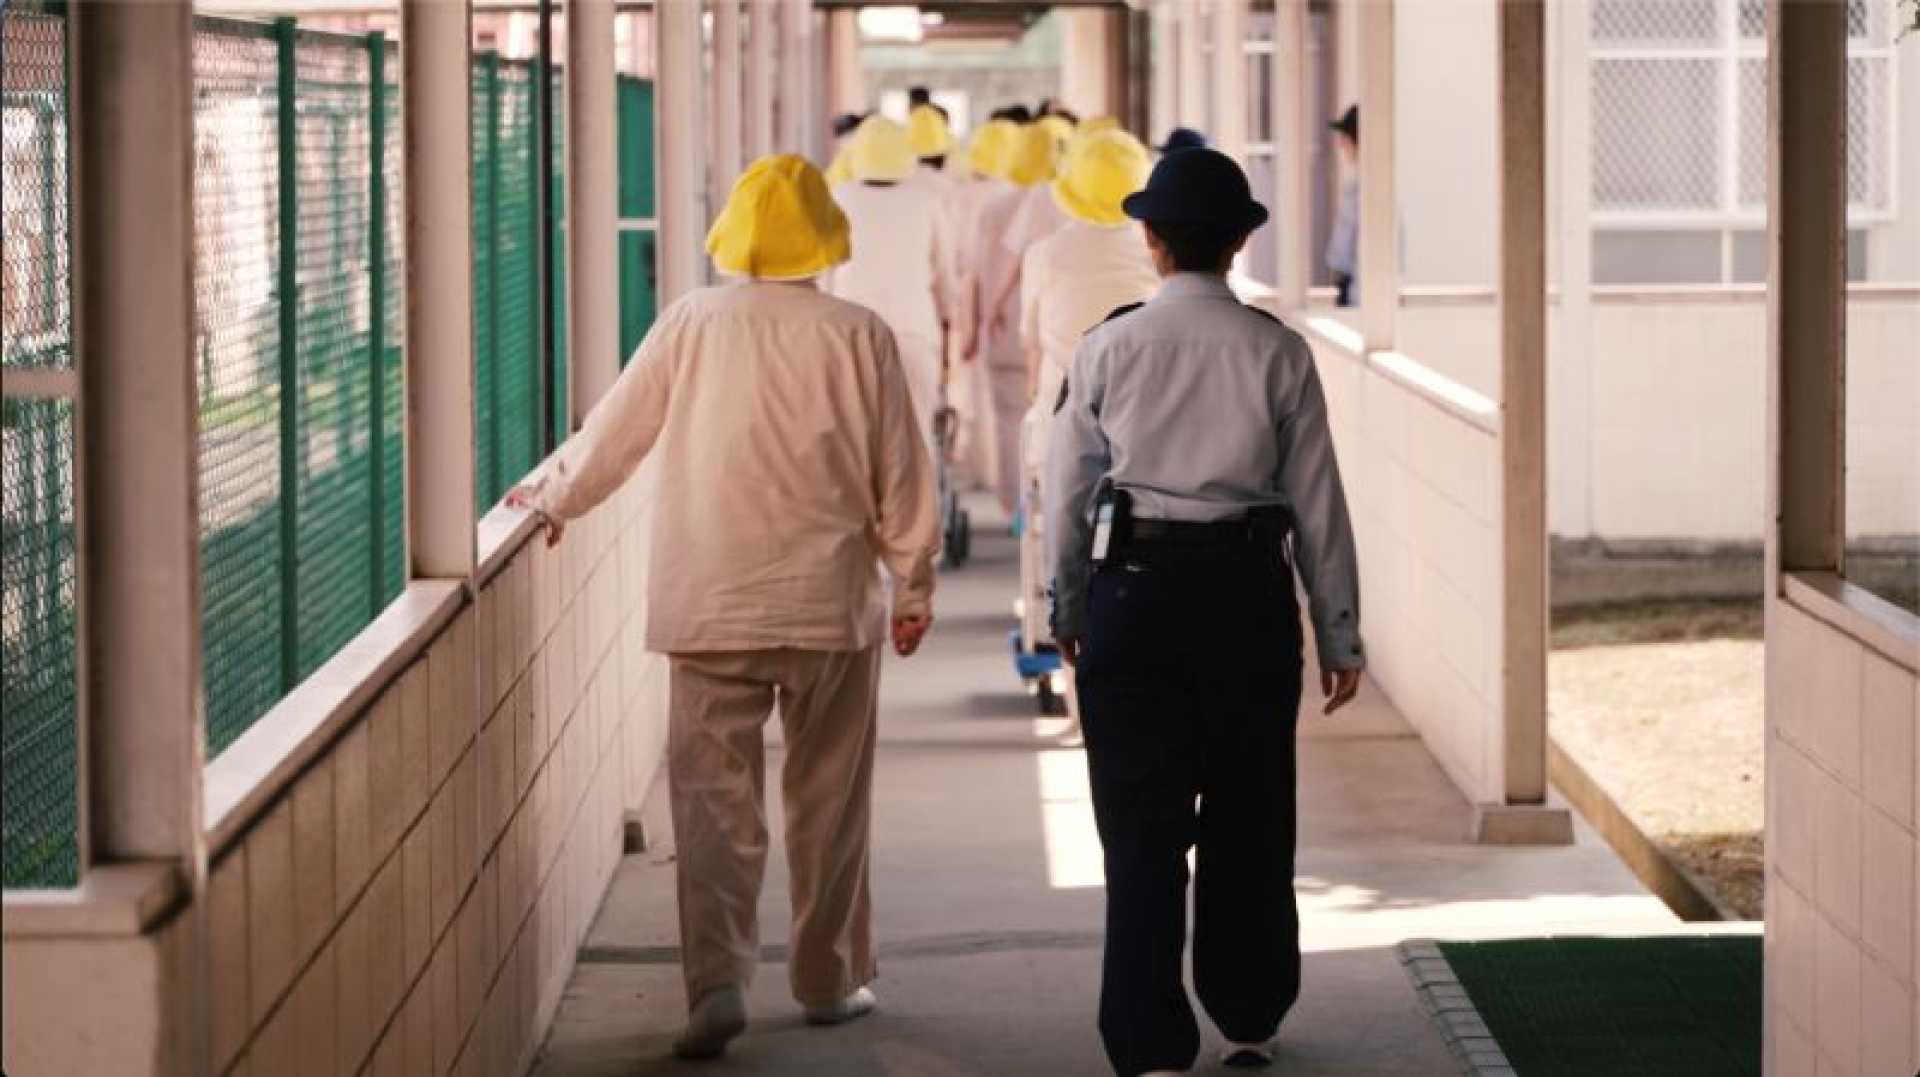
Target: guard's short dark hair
1195	246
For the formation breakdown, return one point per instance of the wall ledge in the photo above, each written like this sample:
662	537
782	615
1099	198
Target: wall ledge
112	901
1877	624
502	533
1429	385
253	772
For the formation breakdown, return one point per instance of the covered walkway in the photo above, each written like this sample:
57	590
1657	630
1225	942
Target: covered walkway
988	900
317	760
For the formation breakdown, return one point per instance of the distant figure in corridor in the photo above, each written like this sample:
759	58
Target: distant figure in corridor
895	270
793	462
1190	463
1068	282
1000	241
1343	240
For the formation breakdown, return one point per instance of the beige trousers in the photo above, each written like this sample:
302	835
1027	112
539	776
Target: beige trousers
717	768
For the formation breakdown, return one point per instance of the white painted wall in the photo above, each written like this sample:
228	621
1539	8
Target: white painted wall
1423	486
1444	105
1676	396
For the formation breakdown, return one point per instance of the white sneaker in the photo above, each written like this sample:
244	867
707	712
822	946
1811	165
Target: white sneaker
859	1004
1247	1055
719	1016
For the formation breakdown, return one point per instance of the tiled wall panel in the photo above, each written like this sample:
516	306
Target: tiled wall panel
1841	854
413	905
1422	483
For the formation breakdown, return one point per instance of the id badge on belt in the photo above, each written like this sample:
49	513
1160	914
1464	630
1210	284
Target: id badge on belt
1110	509
1102	531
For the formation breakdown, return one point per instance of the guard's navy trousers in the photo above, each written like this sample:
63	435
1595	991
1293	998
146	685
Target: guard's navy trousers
1189	681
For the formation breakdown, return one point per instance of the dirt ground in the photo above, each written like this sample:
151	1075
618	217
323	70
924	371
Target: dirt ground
1662	704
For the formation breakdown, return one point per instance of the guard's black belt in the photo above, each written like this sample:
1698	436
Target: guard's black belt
1189	532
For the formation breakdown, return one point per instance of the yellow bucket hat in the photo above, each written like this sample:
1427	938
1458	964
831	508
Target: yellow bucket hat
779	223
927	132
879	150
988	151
1102	169
1030	156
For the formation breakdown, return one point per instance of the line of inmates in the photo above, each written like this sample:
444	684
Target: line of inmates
800	406
1014	247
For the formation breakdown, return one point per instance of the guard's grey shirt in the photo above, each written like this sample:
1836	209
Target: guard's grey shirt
1202	409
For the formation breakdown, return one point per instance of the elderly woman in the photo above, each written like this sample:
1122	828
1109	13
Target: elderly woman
793	465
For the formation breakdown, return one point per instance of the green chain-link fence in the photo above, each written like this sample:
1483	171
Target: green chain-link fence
38	730
508	384
299	309
299	316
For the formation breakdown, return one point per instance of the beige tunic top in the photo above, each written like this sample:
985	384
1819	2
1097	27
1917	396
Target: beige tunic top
792	470
895	269
1069	282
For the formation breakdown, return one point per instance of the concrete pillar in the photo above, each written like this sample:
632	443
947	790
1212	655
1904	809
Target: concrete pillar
1521	110
758	116
725	83
1294	133
1192	65
1379	201
593	209
1164	78
796	76
680	162
1229	62
1806	305
112	992
847	85
1087	41
439	253
1570	189
138	428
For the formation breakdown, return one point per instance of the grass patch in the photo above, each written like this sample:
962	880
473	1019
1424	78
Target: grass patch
1661	621
1587	1007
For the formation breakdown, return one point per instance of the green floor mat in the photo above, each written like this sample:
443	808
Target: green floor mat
1569	1007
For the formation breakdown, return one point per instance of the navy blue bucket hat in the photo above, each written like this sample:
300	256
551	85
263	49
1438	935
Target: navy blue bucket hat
1199	186
1182	138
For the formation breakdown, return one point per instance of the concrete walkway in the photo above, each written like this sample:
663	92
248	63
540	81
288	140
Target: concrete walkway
987	887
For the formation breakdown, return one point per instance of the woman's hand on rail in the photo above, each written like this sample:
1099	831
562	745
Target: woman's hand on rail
526	497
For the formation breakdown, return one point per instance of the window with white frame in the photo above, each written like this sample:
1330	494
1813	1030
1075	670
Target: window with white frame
1679	134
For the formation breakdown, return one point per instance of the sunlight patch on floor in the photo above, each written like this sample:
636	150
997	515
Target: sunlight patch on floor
1066	812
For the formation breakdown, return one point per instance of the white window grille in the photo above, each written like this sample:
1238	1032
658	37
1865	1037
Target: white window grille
1680	113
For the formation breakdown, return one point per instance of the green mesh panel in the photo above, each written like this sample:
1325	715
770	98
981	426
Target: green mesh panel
335	421
561	420
237	325
507	330
393	414
39	824
638	284
485	102
285	238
